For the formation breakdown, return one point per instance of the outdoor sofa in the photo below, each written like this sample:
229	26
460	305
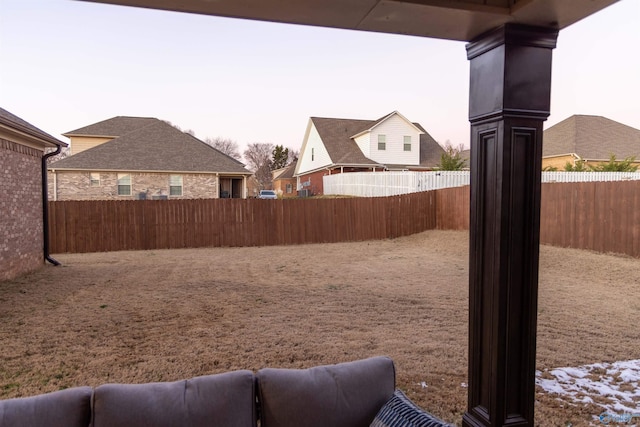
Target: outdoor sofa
352	394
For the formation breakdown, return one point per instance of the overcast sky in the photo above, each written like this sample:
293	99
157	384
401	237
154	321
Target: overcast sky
66	64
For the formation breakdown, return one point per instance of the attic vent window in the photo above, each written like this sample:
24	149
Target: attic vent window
382	142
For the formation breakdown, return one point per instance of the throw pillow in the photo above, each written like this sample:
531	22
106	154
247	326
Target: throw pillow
400	411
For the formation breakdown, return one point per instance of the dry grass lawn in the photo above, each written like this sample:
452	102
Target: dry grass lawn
172	314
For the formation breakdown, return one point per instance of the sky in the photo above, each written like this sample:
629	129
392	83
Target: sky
67	64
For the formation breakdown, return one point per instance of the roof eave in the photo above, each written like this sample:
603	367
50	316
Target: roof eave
20	131
88	135
86	169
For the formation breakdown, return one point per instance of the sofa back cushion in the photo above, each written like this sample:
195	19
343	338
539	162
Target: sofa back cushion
223	400
66	408
343	395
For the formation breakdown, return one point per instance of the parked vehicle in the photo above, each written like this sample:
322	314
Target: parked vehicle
267	194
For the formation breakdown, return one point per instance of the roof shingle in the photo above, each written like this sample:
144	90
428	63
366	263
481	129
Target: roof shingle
337	136
156	146
591	137
11	120
115	126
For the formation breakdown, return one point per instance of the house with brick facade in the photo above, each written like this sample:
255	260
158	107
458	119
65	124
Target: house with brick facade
143	158
22	211
283	182
389	143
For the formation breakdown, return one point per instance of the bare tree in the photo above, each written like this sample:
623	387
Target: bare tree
451	159
189	131
293	156
63	153
226	146
258	158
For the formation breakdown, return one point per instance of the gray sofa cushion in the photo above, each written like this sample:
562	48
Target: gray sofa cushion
66	408
223	400
344	395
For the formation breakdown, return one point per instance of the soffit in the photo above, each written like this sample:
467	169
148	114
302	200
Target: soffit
446	19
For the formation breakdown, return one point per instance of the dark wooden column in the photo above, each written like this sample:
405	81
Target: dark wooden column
509	101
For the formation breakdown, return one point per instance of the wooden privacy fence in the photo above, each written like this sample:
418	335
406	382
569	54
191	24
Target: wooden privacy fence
103	225
600	216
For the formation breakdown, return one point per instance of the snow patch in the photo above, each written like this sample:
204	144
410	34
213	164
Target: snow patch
613	386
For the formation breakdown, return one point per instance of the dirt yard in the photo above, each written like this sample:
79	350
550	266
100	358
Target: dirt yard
172	314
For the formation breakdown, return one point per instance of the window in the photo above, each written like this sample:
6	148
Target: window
312	154
175	185
94	179
124	184
407	143
289	188
382	142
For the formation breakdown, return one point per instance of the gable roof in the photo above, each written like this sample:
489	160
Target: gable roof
288	172
383	119
156	146
113	127
430	151
591	137
337	136
11	120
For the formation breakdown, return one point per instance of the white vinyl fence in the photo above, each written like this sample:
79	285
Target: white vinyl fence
380	184
589	176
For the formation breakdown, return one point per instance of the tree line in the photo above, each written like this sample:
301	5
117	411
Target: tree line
452	160
260	157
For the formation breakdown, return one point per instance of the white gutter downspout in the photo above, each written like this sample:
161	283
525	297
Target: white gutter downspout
55	185
244	186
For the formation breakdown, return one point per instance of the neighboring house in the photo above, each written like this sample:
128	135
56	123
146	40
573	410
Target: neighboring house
143	158
588	138
347	145
284	183
22	211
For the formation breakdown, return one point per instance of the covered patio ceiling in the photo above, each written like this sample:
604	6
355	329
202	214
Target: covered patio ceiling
461	20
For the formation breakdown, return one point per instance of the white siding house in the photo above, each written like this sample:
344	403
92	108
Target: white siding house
314	154
391	142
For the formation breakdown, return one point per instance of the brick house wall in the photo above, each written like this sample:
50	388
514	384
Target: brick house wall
21	248
316	184
280	185
76	185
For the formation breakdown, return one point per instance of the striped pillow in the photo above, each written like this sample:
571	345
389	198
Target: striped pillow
399	411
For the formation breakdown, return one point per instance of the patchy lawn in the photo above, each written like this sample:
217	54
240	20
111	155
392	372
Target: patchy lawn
171	314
